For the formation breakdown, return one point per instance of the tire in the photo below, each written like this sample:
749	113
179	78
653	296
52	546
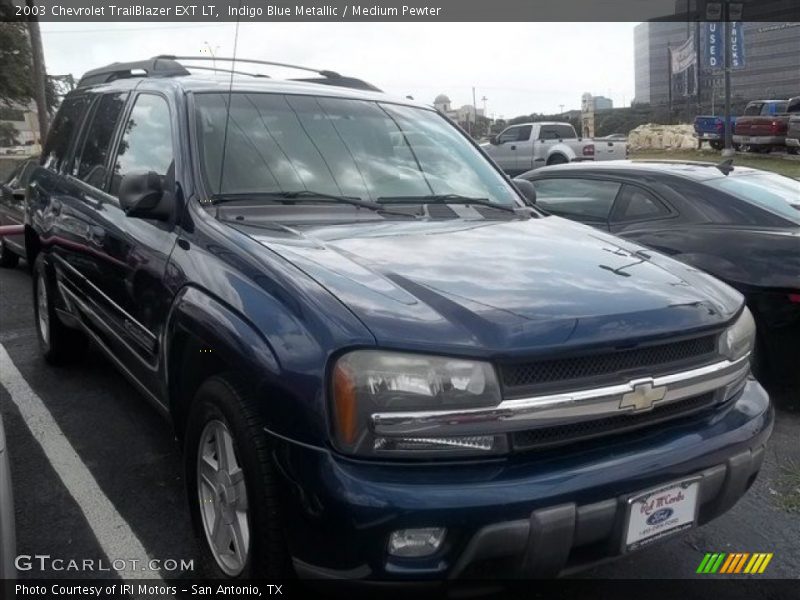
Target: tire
716	145
59	344
8	260
792	150
225	406
557	159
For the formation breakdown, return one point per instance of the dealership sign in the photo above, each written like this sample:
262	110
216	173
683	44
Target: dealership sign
715	45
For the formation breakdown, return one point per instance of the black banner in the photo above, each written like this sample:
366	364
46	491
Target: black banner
730	588
393	10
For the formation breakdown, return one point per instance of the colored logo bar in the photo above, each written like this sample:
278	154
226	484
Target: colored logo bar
735	562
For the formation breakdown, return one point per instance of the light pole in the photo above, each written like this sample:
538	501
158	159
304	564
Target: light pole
729	7
726	35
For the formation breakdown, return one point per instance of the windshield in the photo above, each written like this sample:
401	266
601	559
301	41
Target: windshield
355	148
775	193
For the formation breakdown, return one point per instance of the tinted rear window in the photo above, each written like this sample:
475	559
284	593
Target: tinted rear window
774	193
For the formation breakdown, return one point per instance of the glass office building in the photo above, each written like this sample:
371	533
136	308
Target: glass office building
771	71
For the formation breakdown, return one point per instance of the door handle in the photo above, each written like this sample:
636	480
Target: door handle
513	147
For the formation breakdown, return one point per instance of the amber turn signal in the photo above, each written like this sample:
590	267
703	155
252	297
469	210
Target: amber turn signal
344	402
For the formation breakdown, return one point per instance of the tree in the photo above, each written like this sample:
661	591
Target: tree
16	86
39	73
8	135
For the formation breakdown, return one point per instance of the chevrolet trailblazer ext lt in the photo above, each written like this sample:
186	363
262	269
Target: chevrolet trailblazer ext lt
380	362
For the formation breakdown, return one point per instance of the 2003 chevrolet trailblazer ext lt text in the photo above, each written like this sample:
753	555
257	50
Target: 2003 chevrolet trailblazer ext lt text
381	363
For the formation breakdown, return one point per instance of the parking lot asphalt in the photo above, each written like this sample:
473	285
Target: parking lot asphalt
120	487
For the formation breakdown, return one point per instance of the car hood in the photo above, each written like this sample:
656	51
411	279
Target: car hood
500	287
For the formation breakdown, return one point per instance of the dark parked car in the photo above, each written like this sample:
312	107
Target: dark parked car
741	225
381	363
12	211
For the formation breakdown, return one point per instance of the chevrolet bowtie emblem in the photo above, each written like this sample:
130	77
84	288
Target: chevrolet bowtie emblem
643	396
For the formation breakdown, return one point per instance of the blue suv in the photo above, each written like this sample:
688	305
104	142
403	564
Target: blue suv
382	361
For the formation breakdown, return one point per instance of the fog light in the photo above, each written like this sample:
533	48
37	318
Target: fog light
416	542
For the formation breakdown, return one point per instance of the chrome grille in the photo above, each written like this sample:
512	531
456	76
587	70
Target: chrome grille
582	430
656	359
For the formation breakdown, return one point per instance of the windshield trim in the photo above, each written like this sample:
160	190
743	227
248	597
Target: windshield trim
205	195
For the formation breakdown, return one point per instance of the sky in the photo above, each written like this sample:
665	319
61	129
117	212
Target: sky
520	68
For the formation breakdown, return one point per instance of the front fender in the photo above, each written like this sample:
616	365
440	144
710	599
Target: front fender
224	332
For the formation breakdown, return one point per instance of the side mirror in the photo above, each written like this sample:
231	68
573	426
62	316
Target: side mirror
493	140
142	195
525	188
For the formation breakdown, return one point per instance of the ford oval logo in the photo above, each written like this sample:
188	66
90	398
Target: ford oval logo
660	516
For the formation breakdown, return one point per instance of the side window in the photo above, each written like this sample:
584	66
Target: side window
64	129
589	199
556	132
753	109
146	143
775	109
90	165
509	135
524	133
635	204
564	132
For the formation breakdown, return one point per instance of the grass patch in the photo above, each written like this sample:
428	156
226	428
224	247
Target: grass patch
784	165
789	481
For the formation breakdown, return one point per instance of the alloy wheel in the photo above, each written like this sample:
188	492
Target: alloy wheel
44	315
223	498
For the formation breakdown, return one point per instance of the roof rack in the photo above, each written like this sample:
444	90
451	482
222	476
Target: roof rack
155	67
326	77
235	72
167	65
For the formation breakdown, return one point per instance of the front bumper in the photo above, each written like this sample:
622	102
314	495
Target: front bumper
793	142
534	514
760	140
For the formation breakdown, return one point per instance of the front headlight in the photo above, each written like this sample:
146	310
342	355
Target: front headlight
740	338
365	382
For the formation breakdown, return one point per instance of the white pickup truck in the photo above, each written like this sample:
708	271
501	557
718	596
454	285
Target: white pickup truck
520	148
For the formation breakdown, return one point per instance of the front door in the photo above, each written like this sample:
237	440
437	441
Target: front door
124	258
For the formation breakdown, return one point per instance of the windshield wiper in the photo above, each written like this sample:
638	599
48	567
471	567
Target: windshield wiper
297	196
445	199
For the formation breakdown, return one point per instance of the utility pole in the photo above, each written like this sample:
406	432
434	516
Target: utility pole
561	108
39	73
669	84
728	151
474	109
